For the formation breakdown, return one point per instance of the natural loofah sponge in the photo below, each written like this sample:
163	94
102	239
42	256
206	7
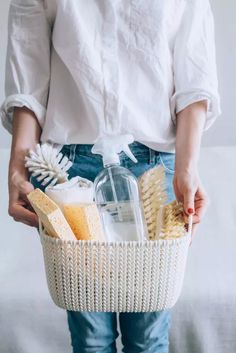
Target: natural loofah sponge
50	215
84	220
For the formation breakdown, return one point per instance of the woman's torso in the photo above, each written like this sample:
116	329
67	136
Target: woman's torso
111	69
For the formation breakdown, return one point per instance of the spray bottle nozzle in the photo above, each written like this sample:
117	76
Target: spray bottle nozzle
129	154
109	146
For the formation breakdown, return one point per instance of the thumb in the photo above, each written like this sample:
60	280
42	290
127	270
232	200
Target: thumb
189	202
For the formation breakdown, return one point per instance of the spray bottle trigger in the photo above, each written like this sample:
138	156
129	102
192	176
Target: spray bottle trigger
128	153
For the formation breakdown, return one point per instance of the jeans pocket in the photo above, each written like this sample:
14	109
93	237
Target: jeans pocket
168	161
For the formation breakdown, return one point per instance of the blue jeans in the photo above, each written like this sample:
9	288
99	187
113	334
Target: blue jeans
140	332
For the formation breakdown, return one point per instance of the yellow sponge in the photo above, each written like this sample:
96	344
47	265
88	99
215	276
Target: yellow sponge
50	215
84	220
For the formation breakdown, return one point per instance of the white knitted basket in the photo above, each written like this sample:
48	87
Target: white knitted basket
115	277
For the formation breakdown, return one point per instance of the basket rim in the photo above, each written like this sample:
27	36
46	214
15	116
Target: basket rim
133	243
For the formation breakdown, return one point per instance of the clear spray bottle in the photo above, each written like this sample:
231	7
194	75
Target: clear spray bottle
117	192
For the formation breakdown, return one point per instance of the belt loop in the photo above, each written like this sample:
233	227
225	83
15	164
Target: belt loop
72	152
151	156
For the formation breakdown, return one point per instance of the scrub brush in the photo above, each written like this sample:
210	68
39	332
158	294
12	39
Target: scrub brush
170	221
153	195
164	221
48	164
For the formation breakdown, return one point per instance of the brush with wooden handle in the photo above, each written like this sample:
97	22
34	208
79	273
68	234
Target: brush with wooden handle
164	221
153	195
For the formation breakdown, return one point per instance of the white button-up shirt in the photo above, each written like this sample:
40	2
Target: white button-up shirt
89	67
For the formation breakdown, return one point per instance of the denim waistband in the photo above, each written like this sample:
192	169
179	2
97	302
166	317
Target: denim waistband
137	148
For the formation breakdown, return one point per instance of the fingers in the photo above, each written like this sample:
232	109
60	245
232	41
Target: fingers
196	218
189	190
19	206
189	196
202	203
20	214
23	186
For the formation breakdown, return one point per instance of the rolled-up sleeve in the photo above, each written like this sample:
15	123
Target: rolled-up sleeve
28	60
195	72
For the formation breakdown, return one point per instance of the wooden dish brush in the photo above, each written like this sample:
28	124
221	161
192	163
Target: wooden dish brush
163	220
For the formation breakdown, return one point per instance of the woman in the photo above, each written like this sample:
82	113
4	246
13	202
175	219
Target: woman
78	69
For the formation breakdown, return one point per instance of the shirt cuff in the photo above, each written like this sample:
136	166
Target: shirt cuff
180	101
20	100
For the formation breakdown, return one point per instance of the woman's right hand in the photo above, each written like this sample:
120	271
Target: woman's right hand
25	136
19	187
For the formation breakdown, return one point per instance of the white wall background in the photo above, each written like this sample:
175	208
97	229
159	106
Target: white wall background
223	132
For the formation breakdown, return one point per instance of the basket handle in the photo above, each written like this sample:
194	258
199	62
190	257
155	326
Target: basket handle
190	225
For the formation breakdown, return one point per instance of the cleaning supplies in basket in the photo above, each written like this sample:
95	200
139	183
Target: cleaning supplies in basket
153	195
79	221
50	215
125	209
117	192
77	216
164	221
134	276
48	164
75	190
75	198
170	222
85	221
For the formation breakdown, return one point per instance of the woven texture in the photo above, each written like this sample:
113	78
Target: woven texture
115	277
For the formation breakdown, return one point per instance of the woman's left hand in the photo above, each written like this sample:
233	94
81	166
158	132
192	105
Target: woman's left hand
189	190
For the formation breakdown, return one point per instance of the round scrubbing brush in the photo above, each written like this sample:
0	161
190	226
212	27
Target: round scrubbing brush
48	164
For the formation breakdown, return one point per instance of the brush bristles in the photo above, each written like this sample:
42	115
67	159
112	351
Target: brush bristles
153	194
163	221
171	224
48	164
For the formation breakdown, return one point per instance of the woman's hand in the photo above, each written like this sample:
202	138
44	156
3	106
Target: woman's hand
26	134
190	191
188	188
19	187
